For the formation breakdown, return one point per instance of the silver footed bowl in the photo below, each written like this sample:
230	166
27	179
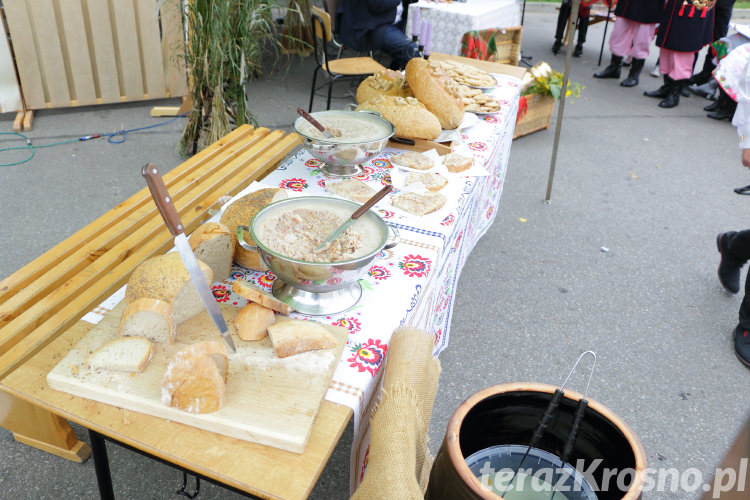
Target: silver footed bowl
316	277
339	155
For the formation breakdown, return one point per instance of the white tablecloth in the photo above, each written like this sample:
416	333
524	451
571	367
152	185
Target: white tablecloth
451	20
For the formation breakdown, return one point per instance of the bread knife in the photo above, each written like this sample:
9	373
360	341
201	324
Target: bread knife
174	224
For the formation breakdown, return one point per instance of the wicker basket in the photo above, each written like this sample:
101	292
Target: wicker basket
537	115
499	45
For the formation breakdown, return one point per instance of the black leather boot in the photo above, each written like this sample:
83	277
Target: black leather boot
673	93
583	28
725	107
635	73
611	71
712	107
662	91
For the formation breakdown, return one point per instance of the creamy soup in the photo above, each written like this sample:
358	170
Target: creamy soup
347	129
295	230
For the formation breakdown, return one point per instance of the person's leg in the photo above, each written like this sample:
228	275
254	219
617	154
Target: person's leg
620	42
393	42
641	41
583	28
562	21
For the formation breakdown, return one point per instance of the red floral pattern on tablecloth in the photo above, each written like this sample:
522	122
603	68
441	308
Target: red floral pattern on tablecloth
220	292
293	184
379	273
313	163
266	280
415	266
351	324
364	463
386	214
322	183
367	356
449	219
478	146
381	163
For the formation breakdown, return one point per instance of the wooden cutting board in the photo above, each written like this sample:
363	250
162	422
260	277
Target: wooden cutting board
269	400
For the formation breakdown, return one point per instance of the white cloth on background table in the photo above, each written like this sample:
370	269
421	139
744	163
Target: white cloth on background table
451	20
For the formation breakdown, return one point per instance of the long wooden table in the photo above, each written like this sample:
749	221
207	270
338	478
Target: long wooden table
40	320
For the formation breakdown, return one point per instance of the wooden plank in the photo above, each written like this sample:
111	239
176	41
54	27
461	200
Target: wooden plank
148	28
95	251
29	332
24	48
44	264
18	122
102	46
269	400
76	40
129	64
250	467
50	52
173	46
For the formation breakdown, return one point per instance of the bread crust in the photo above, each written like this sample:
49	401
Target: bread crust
253	320
251	293
94	359
295	336
148	304
193	384
411	118
437	91
211	233
384	83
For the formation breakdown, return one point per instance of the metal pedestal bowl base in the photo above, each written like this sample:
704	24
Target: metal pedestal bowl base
318	304
339	171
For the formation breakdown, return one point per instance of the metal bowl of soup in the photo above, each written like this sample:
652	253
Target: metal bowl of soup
286	233
358	137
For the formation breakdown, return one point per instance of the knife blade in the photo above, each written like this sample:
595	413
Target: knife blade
356	215
174	224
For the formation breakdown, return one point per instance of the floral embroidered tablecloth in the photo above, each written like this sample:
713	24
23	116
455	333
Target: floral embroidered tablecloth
410	284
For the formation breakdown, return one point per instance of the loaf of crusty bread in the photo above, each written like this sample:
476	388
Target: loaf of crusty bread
195	380
387	82
295	336
128	354
212	243
410	117
148	318
253	320
165	278
240	213
437	91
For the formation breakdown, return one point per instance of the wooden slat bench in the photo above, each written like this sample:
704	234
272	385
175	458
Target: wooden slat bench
52	293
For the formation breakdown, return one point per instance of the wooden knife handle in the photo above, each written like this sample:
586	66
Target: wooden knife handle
307	116
372	201
162	199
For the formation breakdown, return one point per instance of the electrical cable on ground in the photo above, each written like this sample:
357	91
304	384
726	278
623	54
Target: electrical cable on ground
110	138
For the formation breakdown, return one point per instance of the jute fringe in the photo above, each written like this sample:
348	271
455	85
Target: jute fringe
399	463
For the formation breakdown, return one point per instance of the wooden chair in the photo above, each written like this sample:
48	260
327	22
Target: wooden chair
336	68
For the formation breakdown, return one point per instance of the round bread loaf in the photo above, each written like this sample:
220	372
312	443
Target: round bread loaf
436	90
384	83
164	277
240	213
410	117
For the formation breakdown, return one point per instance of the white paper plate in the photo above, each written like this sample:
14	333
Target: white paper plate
470	119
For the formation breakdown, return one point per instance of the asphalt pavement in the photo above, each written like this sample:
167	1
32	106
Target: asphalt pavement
622	261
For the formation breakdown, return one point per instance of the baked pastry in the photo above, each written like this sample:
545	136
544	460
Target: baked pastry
165	278
195	380
148	318
213	244
253	294
433	182
413	159
455	162
127	354
410	117
295	336
240	213
436	90
481	103
419	204
387	82
351	189
253	320
466	74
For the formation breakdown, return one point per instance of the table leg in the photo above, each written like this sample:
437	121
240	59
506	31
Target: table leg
41	429
101	464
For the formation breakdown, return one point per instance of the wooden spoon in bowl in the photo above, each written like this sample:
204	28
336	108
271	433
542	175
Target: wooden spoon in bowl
328	134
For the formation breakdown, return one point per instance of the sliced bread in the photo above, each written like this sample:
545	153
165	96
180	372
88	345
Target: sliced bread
295	336
165	278
195	380
248	291
149	318
433	182
213	244
351	189
253	320
126	354
420	204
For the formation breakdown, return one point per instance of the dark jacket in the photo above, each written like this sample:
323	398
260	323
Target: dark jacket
640	11
682	32
358	17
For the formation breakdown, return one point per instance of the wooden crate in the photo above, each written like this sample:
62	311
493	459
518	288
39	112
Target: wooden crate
83	52
537	116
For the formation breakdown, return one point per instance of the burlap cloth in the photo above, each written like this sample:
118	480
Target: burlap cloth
399	461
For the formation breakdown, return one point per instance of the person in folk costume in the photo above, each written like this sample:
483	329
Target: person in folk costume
584	11
684	28
722	16
634	28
